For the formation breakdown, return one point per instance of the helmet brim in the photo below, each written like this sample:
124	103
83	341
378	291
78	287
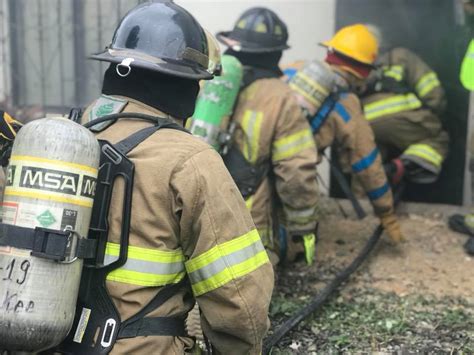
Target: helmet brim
225	37
164	67
329	45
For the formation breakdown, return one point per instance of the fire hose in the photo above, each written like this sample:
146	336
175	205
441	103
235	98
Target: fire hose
324	295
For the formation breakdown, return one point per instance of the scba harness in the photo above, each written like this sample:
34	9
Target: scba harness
97	324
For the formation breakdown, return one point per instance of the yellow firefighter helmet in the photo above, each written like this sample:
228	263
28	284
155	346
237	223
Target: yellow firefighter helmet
355	42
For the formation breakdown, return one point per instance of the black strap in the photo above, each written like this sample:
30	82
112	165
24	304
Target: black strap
154	326
75	114
128	144
137	324
160	121
45	243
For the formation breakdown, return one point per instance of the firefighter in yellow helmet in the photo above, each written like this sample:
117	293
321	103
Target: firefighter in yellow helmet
191	237
273	156
403	103
336	116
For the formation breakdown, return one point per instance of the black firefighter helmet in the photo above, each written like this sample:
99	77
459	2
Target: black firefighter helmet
159	36
258	30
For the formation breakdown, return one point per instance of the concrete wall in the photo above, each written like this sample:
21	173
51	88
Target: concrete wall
308	21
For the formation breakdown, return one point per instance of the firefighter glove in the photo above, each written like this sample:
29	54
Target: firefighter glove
8	126
299	245
309	241
8	130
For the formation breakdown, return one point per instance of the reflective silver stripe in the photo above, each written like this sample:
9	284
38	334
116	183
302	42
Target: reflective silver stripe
149	267
225	261
307	213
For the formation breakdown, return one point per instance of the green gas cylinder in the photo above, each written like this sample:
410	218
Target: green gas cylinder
216	102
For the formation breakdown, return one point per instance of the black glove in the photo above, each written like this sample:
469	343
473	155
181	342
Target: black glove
8	130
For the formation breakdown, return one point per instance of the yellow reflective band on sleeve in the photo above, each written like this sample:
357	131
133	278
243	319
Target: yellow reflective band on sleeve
146	267
394	104
394	71
291	145
249	203
252	124
427	83
425	152
226	262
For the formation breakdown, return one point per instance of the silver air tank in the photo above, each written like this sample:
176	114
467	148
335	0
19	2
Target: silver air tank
314	83
51	183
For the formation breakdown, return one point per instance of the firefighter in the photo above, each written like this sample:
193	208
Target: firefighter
273	156
340	122
458	222
403	103
188	217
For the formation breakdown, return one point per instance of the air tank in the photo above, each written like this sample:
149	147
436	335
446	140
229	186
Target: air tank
50	183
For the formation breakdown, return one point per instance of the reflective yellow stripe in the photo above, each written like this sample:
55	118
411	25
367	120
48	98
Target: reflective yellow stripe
311	86
251	124
427	83
394	104
249	203
225	262
144	279
291	145
231	273
146	267
50	196
395	72
425	152
58	163
221	250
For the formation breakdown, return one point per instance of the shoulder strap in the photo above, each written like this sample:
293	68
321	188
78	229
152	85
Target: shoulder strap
113	117
126	145
327	107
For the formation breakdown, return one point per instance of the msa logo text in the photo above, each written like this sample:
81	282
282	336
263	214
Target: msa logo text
89	185
10	175
50	180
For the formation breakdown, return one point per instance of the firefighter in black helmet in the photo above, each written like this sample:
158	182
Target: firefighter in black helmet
273	157
258	30
191	237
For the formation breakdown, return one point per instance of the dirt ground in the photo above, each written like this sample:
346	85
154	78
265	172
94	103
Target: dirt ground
415	297
431	261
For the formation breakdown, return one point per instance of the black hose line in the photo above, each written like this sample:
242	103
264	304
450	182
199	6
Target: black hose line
323	296
346	189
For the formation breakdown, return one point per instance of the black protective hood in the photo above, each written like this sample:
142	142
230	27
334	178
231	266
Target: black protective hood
172	95
258	65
